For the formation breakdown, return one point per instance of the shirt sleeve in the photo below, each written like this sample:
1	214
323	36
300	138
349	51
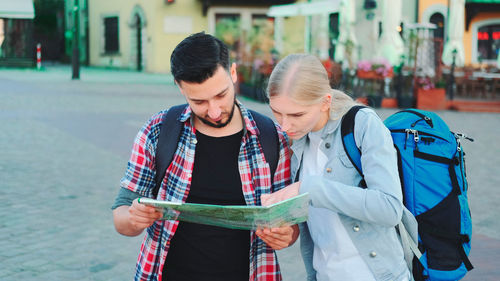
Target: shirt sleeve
125	197
381	201
282	174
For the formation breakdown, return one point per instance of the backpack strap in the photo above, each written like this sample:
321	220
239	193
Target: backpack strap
353	152
170	132
350	147
268	139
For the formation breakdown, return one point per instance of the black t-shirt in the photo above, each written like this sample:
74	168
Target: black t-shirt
203	252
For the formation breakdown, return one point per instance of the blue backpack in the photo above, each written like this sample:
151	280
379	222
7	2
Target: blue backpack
432	173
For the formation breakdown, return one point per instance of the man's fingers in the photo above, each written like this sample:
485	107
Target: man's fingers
274	243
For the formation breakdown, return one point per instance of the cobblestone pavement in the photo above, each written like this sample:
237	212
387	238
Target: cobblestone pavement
64	146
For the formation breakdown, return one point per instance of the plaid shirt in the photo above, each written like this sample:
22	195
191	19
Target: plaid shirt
255	180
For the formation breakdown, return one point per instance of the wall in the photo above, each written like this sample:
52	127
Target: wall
425	4
159	39
186	17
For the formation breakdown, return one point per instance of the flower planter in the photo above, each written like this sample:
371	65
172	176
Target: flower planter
372	74
431	99
389	103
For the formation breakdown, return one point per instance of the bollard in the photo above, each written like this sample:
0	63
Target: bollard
38	56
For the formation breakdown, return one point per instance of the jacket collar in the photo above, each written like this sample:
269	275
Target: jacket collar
299	145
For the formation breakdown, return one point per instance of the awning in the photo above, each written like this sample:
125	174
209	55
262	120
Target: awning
304	9
484	1
17	9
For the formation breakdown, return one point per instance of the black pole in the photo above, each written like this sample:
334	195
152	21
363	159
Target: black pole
139	42
451	84
75	60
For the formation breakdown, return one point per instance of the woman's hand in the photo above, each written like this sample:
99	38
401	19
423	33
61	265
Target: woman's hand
280	195
279	237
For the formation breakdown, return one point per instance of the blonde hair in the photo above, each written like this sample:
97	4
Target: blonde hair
304	79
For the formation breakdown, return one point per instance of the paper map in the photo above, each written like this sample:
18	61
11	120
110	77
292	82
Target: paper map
287	212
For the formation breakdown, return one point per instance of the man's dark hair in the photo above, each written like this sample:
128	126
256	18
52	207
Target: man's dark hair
197	57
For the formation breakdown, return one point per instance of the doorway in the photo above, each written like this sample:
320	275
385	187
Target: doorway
137	26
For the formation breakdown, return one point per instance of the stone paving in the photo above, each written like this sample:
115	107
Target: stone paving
64	147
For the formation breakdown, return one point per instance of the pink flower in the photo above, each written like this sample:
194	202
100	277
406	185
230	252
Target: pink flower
364	65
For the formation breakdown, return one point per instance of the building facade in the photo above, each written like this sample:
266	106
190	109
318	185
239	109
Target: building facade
141	35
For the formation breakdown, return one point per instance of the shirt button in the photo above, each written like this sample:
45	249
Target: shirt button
189	175
328	170
373	254
195	141
355	228
327	145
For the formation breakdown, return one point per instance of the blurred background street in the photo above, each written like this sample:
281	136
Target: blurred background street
78	78
65	145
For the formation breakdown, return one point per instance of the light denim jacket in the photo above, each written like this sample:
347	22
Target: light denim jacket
369	215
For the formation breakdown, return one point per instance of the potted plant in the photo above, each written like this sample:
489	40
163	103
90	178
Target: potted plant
376	71
257	61
378	68
430	95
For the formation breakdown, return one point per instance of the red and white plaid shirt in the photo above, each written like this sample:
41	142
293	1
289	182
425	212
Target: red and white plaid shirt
255	179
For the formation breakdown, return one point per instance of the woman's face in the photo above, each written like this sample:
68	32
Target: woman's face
297	120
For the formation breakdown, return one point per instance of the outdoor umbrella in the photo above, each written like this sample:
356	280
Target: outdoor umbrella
455	27
391	44
346	46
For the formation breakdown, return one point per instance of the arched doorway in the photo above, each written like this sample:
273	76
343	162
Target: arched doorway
438	20
138	39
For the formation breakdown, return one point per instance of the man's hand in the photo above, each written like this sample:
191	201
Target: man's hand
279	237
143	216
132	220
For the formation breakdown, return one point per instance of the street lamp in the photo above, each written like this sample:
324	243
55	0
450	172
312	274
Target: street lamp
75	60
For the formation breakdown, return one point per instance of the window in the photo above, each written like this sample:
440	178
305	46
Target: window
228	29
111	43
488	42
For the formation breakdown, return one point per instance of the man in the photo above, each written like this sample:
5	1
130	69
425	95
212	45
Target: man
218	160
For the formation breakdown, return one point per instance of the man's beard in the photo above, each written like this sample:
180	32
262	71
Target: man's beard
219	125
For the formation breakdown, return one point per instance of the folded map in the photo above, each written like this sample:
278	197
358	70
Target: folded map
287	212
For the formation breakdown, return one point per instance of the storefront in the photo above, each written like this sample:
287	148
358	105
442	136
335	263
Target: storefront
16	33
483	30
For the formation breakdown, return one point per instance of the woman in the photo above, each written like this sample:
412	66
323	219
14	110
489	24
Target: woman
350	233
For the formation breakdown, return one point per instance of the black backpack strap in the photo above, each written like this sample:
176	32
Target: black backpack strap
170	132
350	147
268	139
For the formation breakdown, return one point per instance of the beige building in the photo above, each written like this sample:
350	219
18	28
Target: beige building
141	35
138	34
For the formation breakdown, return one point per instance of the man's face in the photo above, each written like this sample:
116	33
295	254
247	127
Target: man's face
212	101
